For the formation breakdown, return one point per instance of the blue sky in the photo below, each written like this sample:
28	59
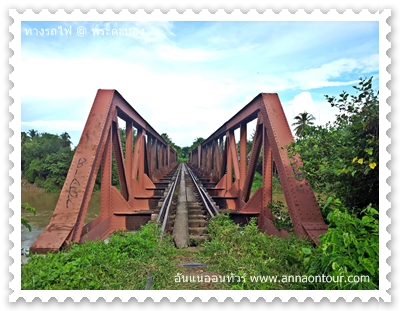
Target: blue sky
187	78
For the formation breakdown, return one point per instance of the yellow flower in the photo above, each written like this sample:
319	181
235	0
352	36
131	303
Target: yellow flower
372	165
361	161
355	159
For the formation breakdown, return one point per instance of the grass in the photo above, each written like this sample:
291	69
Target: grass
245	252
124	263
130	258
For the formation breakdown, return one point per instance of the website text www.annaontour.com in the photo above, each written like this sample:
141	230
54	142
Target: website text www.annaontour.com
233	278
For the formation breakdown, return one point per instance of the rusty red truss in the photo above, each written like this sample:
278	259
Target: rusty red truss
146	160
218	160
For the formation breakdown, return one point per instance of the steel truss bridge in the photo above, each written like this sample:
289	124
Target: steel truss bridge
145	174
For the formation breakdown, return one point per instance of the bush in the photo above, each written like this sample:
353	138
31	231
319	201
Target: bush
244	251
350	248
282	220
342	158
124	263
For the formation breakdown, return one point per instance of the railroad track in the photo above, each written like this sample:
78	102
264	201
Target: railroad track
186	208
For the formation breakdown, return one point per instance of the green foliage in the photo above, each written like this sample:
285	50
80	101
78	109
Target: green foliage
257	182
167	139
184	156
350	248
45	158
245	251
342	158
276	185
182	153
282	217
331	203
33	170
124	263
24	221
197	142
303	120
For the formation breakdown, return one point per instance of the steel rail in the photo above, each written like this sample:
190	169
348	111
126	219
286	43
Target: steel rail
204	197
209	201
200	193
168	199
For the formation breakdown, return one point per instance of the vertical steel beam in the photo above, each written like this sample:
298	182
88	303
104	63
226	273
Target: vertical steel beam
199	156
267	174
228	162
168	156
137	154
128	152
243	153
119	159
106	176
234	155
142	156
255	152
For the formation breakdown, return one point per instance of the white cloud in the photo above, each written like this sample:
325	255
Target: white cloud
168	101
51	126
322	76
303	102
155	31
175	100
175	53
326	75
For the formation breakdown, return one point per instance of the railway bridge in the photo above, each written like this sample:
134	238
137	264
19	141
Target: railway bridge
220	178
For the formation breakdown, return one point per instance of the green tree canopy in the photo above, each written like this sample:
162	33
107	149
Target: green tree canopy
197	142
45	158
342	158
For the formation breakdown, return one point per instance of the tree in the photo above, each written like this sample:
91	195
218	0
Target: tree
166	138
197	142
303	120
341	159
66	140
32	133
185	152
46	158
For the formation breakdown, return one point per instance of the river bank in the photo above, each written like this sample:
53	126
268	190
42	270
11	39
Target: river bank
27	186
44	203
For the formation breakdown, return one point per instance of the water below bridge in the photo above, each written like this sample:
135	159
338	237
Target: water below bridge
45	203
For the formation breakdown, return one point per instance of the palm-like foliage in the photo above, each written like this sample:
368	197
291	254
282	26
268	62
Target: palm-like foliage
303	120
32	133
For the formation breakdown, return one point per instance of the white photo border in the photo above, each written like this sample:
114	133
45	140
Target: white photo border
204	15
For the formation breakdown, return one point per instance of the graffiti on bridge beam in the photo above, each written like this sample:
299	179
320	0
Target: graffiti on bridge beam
72	192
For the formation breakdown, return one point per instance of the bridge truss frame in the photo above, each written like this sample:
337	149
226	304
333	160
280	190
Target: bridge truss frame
146	160
218	159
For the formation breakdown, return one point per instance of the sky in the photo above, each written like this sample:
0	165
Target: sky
186	79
